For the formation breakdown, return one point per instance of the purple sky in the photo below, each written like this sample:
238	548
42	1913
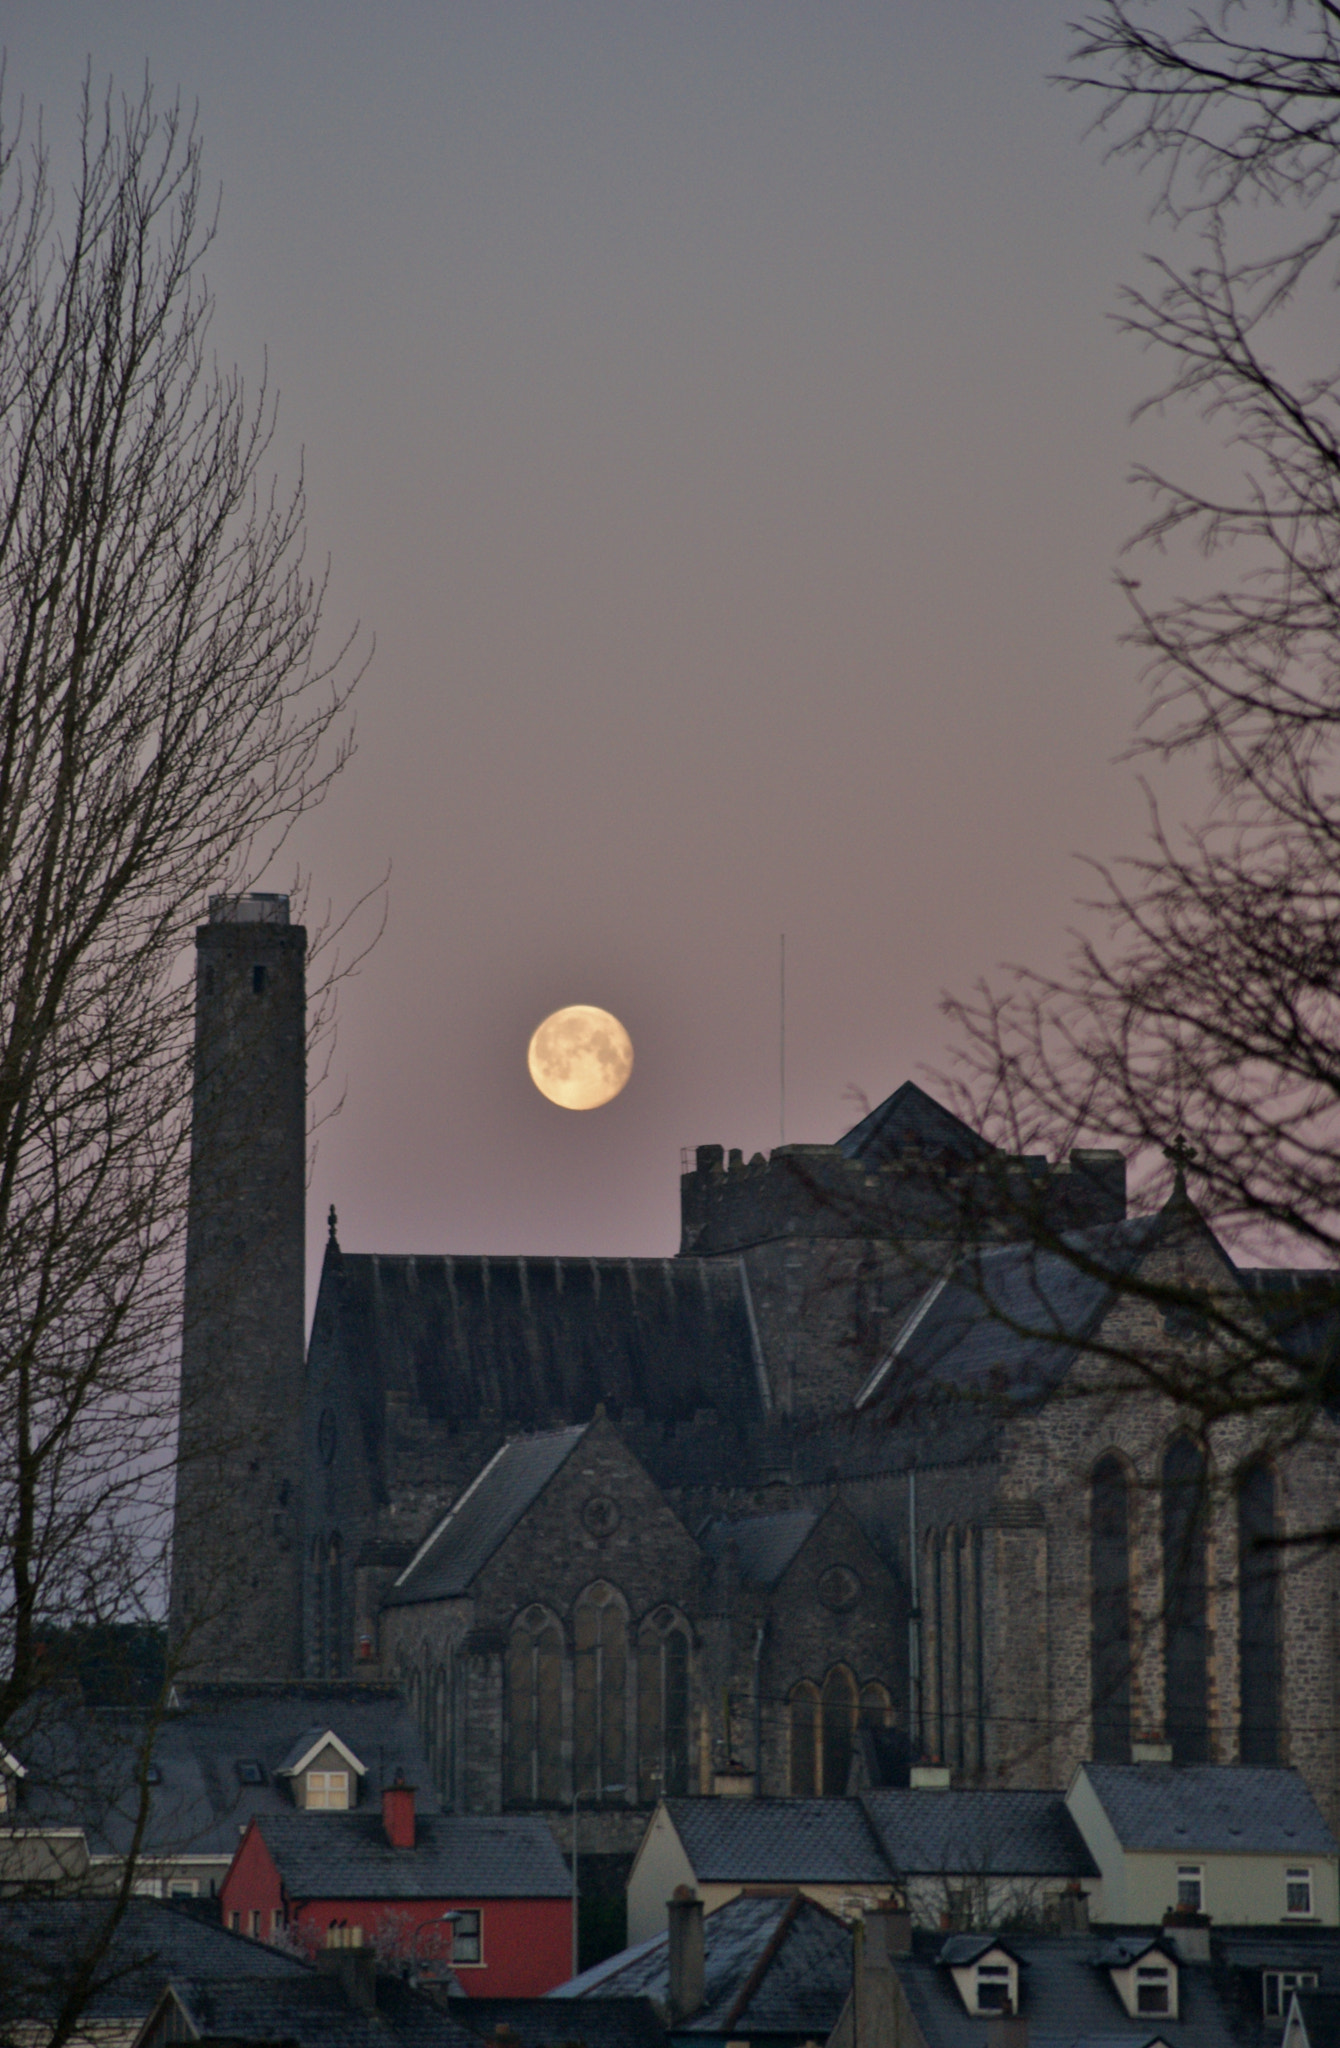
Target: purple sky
714	413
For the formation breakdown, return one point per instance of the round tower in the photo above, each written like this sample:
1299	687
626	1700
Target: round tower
236	1570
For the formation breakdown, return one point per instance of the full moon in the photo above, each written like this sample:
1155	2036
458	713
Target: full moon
580	1057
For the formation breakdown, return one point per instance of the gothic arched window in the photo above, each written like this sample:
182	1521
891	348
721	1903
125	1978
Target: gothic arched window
1110	1611
600	1689
876	1706
663	1706
803	1713
1185	1603
332	1615
535	1709
1258	1619
316	1587
839	1721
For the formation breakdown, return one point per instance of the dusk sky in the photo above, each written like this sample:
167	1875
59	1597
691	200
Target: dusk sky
714	414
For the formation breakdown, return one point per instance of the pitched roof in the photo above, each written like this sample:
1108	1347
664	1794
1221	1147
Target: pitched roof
777	1965
765	1544
1007	1834
537	2023
907	1119
1067	1998
314	2010
778	1841
472	1856
81	1762
1320	2014
309	1744
1010	1320
39	1939
1214	1808
452	1557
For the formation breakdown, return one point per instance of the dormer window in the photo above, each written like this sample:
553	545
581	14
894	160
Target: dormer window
323	1771
327	1791
986	1975
1144	1977
993	1988
1153	1988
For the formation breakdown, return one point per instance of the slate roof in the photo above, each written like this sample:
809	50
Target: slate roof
530	1339
39	1938
1320	2014
485	1515
474	1856
315	2011
779	1841
776	1965
1213	1808
766	1544
1066	1996
1006	1834
1302	1309
598	2022
81	1762
912	1118
1011	1319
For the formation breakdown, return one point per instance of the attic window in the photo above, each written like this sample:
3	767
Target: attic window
328	1791
249	1771
993	1987
1153	1986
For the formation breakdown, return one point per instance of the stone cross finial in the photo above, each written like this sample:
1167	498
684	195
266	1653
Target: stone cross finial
1180	1155
331	1220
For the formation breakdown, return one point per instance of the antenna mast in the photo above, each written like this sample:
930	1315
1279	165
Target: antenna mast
782	1043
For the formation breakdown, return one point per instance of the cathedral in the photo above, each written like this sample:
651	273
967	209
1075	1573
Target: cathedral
846	1484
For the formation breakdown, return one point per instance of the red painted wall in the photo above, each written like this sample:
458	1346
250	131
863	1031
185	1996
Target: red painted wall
526	1944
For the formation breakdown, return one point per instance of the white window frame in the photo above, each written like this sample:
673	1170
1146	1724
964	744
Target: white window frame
1154	1977
1295	1879
1189	1874
1281	1984
321	1785
995	1977
183	1888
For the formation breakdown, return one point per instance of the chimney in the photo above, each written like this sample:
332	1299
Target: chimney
1188	1933
398	1813
1009	2031
888	1929
356	1969
929	1777
687	1970
1073	1910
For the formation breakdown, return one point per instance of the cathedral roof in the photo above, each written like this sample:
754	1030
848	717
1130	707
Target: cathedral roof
450	1560
530	1340
912	1120
1008	1322
1213	1809
764	1544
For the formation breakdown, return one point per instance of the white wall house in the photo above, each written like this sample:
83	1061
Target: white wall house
1244	1844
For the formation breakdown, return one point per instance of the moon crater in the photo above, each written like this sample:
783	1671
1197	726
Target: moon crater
580	1057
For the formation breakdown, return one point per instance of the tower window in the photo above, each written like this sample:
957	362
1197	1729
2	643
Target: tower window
257	979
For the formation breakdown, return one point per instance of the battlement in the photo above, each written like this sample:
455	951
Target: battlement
728	1203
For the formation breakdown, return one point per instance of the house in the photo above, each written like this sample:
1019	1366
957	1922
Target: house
345	2002
983	1858
489	1897
43	1940
219	1755
1245	1844
974	1856
769	1966
1071	1991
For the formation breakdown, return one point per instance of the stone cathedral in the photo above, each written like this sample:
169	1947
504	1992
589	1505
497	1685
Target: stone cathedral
842	1484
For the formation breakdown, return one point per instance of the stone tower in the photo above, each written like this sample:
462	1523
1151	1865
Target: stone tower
237	1571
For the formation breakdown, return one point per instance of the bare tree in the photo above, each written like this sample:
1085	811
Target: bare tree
1206	1014
166	715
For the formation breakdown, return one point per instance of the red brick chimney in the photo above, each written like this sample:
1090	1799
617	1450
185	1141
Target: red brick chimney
398	1813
